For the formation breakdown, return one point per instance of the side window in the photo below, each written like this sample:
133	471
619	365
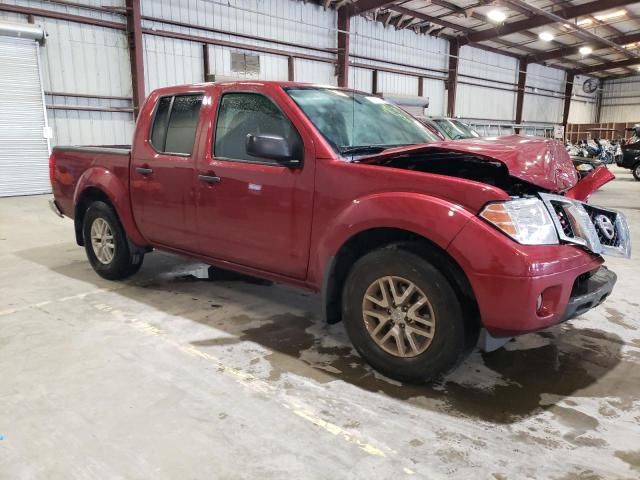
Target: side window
175	122
159	129
241	114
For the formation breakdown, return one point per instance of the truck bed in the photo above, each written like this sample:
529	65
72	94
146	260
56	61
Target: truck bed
69	164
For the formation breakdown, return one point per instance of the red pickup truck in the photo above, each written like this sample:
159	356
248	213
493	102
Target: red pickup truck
420	246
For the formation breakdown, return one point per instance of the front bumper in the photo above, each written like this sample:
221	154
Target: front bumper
589	291
524	288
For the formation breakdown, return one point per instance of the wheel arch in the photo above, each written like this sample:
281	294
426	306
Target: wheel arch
339	265
98	183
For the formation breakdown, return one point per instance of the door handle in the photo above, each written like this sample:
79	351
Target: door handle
144	170
209	178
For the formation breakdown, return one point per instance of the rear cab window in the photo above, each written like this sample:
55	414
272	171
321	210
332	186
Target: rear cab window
174	125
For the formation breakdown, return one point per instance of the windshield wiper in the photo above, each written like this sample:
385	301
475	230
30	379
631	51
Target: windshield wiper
369	148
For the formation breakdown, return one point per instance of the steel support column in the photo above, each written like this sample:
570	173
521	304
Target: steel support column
568	92
599	101
291	68
134	36
522	82
344	27
452	81
205	61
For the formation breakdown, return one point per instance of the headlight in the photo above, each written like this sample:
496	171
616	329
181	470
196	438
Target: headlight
527	221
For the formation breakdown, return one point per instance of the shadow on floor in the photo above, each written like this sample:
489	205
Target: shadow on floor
502	386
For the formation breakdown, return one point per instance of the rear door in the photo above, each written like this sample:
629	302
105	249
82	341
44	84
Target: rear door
253	211
163	173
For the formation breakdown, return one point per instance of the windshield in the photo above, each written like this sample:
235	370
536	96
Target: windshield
455	129
355	122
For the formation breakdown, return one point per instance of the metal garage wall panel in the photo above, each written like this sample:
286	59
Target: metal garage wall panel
24	151
85	59
295	21
75	127
361	79
315	72
481	101
621	100
396	84
583	105
435	92
169	61
547	81
372	39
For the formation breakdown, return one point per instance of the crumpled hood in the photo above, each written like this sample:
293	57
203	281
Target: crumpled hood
539	161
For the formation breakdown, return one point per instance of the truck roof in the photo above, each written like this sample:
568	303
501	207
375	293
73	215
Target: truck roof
199	86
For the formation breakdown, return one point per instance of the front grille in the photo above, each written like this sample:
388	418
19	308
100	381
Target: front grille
606	230
597	229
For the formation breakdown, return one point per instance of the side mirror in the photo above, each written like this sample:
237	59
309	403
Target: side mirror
273	147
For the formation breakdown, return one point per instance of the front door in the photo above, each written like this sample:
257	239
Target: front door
163	174
254	211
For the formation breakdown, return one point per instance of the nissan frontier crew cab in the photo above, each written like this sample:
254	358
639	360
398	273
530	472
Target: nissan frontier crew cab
421	247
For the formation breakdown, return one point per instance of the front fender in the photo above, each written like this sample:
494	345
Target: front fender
118	194
430	217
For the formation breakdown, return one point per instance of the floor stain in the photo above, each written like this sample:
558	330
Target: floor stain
614	316
575	359
631	457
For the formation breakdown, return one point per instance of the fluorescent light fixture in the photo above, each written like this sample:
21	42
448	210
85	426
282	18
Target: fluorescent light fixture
603	17
545	36
585	50
496	16
638	67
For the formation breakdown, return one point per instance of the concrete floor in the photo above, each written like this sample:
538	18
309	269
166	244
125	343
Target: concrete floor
171	376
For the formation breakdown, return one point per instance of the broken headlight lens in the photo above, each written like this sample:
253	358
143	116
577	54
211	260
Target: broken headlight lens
526	220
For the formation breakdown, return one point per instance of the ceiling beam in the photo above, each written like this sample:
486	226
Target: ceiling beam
575	50
578	31
632	62
540	20
363	6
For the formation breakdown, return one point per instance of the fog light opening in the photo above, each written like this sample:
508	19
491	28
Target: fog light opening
539	304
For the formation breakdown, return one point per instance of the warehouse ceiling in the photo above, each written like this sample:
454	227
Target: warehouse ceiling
595	37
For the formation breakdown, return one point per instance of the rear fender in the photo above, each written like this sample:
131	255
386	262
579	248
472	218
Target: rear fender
584	188
435	219
118	194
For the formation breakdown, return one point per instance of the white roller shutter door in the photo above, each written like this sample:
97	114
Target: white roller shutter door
24	150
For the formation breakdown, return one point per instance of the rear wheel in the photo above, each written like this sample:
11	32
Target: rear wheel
107	245
403	315
636	171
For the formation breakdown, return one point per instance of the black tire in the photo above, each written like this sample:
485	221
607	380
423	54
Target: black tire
447	347
125	262
636	171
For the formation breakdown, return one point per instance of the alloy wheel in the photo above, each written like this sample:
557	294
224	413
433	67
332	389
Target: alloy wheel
398	316
102	241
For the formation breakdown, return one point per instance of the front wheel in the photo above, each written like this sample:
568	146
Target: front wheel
636	171
106	244
403	316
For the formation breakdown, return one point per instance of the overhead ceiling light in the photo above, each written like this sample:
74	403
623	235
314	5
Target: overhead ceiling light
638	67
496	16
585	50
545	36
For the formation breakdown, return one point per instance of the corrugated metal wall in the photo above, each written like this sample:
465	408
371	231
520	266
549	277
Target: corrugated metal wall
84	59
479	70
170	61
583	105
621	100
544	97
94	61
399	49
